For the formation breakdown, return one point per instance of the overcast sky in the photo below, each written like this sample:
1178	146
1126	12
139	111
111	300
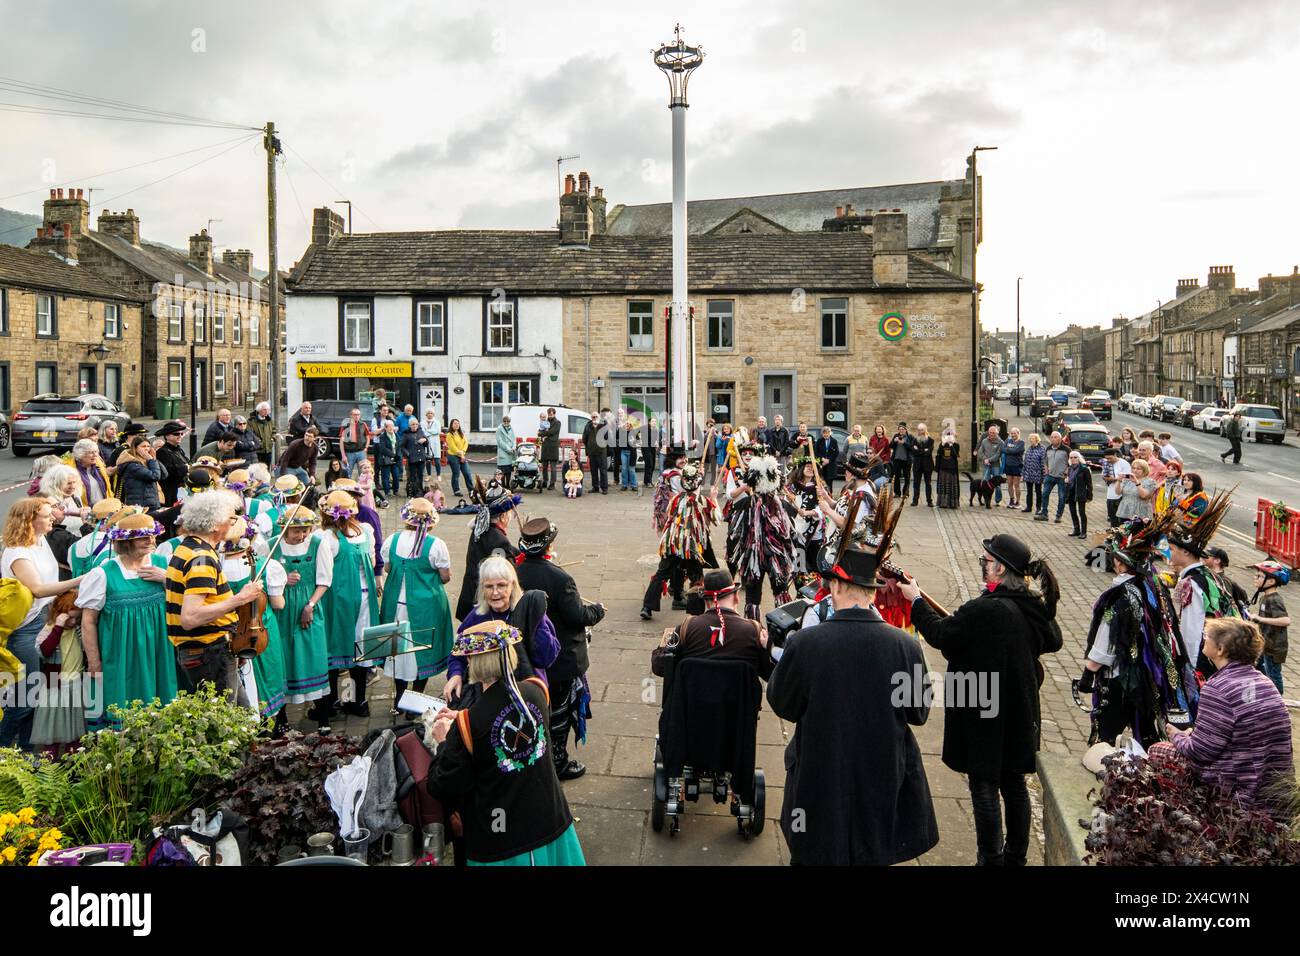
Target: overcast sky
1138	142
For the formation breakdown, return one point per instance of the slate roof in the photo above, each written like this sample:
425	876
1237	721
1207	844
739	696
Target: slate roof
1174	302
41	270
163	264
467	261
798	212
1242	312
1276	323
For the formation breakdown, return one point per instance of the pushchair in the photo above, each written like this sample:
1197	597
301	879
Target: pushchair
527	475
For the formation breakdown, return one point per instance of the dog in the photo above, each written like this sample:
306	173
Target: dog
984	488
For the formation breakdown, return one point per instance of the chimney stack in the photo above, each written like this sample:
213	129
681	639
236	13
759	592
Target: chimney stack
1222	277
124	225
201	252
61	210
326	226
578	211
1186	285
240	259
598	203
889	248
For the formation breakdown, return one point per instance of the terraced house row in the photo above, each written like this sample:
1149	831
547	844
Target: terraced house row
103	311
814	306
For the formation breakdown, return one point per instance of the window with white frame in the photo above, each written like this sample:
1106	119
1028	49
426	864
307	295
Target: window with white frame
430	327
4	319
835	323
219	326
722	324
45	315
496	395
255	328
112	321
47	378
176	377
255	377
219	379
176	322
501	326
356	327
200	322
236	329
641	325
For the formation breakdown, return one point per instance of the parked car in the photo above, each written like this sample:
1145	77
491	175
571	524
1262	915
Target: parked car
1022	395
1099	404
1261	422
5	433
1126	401
333	414
1042	405
1062	399
1209	419
1166	408
1002	393
1089	440
1142	406
50	423
1186	411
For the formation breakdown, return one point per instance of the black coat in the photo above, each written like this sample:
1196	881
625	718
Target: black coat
778	439
414	446
592	441
1081	488
299	423
855	789
550	439
177	464
385	451
493	541
567	611
1000	633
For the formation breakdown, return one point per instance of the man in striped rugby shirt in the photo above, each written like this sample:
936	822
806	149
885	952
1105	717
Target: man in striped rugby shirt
201	609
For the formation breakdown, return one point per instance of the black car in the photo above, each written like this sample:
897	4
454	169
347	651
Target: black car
1090	441
1167	408
333	414
49	423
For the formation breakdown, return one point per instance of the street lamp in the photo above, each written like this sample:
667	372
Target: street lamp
678	61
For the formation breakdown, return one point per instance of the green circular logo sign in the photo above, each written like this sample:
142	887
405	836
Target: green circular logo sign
893	326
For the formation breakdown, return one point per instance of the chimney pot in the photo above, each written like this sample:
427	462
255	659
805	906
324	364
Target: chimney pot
839	212
52	193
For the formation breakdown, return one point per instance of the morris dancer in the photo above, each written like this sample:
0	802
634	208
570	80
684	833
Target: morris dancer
352	602
685	548
268	667
760	540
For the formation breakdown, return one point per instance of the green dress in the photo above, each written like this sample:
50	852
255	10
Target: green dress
139	661
305	660
431	620
80	565
268	667
343	602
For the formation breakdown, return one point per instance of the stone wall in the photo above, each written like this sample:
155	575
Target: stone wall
921	377
79	327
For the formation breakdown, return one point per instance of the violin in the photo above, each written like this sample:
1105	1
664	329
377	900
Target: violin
250	630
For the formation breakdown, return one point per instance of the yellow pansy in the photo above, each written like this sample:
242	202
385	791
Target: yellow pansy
9	853
26	815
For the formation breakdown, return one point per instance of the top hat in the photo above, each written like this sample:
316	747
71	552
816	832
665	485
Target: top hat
170	428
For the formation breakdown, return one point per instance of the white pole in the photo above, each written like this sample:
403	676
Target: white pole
680	304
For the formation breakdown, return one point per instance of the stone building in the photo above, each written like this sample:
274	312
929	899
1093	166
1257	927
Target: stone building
1180	373
65	329
816	325
1076	357
205	334
940	216
1268	364
1117	361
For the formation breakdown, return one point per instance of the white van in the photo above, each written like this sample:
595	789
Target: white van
524	419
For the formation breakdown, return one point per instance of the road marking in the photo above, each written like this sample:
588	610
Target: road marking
962	590
1237	534
1284	477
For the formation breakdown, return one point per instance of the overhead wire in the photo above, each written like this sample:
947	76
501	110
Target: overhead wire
321	177
41	91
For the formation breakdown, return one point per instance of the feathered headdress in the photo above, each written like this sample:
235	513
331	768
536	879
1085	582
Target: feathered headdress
1137	542
1194	534
764	475
492	499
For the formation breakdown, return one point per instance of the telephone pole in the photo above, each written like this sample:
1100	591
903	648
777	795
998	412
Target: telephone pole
272	144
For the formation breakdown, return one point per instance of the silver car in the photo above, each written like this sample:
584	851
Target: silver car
1261	422
49	423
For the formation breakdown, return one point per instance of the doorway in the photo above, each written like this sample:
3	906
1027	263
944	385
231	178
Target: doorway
86	379
778	396
433	395
201	384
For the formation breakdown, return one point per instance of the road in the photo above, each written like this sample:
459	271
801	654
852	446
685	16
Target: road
1266	470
